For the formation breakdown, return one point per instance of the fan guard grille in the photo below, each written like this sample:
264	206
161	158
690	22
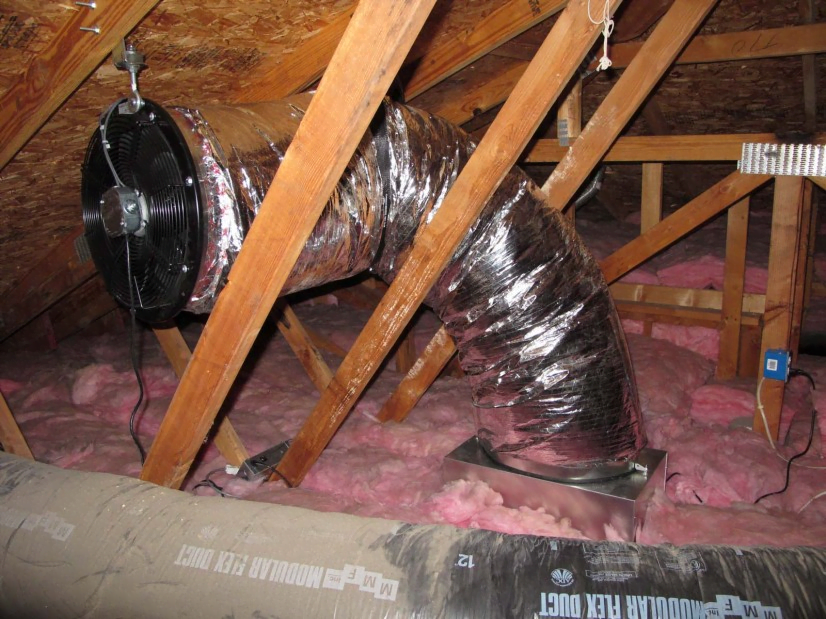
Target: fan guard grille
150	156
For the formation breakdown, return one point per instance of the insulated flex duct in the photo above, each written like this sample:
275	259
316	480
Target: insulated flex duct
534	323
101	546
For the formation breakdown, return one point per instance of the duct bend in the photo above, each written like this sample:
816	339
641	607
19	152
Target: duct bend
535	326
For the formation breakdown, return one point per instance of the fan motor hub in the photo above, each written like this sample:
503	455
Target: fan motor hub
123	211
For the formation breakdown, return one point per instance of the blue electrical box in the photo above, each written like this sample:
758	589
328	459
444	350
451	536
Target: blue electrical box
776	364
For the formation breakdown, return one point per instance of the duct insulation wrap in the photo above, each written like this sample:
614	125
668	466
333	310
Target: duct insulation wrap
101	546
536	329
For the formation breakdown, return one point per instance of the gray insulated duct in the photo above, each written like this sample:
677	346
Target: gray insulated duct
536	329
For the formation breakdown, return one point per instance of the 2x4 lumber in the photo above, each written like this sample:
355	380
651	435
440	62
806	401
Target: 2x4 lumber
734	187
728	358
505	22
652	196
787	219
663	148
425	370
52	278
177	351
11	438
748	45
549	72
636	82
683	297
66	61
302	345
336	119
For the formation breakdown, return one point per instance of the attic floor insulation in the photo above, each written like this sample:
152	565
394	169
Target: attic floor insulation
73	406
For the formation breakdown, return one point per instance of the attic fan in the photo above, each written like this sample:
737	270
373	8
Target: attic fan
141	209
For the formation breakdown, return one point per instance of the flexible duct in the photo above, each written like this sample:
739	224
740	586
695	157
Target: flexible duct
534	323
100	546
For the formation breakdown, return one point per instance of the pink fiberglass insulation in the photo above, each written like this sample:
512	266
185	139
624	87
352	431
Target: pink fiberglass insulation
73	405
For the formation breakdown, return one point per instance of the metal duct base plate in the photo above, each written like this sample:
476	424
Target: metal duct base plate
618	503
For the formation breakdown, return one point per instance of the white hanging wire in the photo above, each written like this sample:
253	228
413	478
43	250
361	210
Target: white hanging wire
607	30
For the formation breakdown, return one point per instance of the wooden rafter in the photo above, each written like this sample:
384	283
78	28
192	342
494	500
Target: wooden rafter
298	69
549	72
68	59
636	82
347	97
505	22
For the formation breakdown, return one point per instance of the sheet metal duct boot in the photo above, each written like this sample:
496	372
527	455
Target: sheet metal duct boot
536	329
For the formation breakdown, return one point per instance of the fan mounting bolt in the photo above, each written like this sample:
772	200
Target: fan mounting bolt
189	181
184	269
151	116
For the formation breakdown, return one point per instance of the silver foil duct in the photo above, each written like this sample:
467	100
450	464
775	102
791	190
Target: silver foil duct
536	329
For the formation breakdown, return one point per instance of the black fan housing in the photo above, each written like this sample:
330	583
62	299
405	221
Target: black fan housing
153	216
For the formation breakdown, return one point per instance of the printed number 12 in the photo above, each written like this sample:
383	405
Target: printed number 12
465	561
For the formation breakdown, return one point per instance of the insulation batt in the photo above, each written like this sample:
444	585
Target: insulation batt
73	403
536	329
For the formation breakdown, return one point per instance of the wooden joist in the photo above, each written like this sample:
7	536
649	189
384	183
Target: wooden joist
11	438
650	148
68	59
546	77
734	187
636	82
347	97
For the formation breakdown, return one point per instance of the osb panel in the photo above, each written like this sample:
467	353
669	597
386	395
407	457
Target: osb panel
196	52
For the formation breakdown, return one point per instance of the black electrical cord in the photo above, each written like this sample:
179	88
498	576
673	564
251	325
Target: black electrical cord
133	355
792	459
796	372
208	483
